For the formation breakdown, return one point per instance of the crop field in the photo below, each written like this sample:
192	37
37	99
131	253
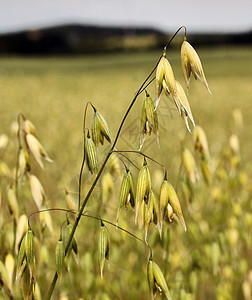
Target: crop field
212	259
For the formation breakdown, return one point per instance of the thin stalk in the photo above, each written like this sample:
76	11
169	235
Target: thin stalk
144	155
84	152
102	167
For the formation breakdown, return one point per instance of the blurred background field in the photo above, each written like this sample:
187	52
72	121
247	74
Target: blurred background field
213	259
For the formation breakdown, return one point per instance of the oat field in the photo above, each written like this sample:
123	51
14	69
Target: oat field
212	259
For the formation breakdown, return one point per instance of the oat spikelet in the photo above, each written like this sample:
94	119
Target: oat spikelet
127	193
182	105
91	155
21	229
24	162
29	250
59	256
37	191
103	246
99	129
164	79
37	150
28	127
163	202
143	190
191	63
200	142
190	165
174	202
156	280
10	266
149	120
148	215
12	203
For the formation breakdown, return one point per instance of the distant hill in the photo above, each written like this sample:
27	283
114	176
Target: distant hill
78	39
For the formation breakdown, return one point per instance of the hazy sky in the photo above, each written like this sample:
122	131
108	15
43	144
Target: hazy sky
167	15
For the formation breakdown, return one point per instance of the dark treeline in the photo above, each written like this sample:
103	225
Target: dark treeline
77	39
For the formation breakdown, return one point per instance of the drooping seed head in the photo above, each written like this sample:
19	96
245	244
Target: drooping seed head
169	76
160	280
59	257
148	215
234	144
150	277
159	80
103	246
29	128
182	105
37	191
124	194
99	129
37	149
4	276
200	142
22	227
24	162
175	204
91	155
21	260
29	248
191	63
190	165
163	201
27	283
71	203
143	190
12	203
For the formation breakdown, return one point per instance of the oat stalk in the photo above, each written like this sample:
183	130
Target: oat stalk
81	208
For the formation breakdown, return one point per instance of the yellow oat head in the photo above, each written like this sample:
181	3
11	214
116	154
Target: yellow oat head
148	215
191	63
175	204
10	266
37	191
5	281
190	165
163	201
200	142
183	105
28	127
21	229
37	149
143	190
24	162
12	203
164	79
99	129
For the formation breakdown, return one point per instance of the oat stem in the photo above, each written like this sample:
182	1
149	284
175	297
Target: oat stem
81	209
144	155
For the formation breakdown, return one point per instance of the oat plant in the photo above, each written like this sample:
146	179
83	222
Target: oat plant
151	206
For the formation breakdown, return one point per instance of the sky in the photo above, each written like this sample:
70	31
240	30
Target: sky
165	15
